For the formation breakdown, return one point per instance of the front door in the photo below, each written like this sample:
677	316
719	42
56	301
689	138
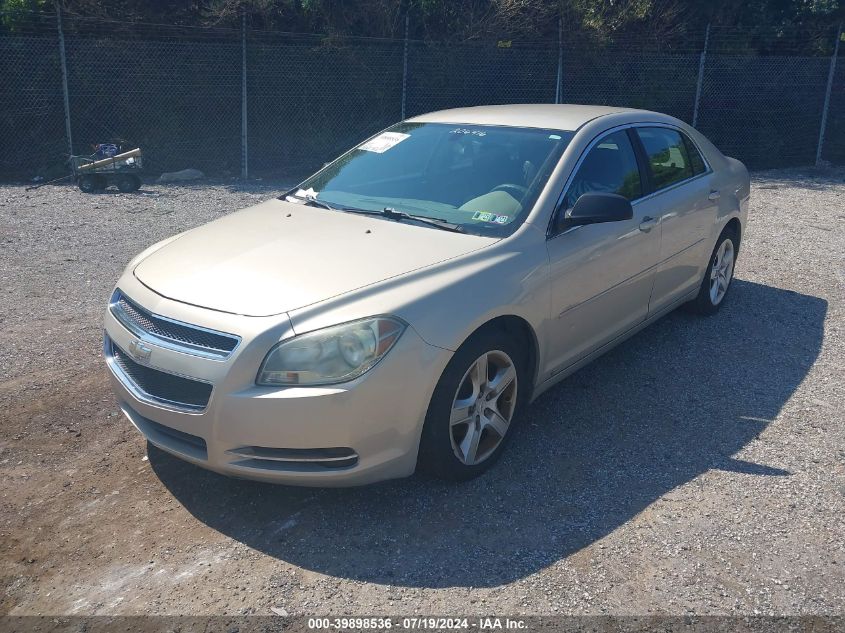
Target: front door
602	274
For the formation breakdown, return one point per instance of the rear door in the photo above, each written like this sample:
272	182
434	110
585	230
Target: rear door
681	182
602	274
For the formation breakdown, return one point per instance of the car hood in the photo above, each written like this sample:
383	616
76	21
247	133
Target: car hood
279	256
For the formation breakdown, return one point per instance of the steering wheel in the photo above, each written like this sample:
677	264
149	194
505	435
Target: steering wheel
515	191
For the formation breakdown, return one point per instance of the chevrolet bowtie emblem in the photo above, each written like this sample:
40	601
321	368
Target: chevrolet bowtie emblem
140	351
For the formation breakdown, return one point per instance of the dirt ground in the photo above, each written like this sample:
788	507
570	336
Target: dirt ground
699	468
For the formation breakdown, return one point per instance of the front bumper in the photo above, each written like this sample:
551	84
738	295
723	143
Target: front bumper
354	433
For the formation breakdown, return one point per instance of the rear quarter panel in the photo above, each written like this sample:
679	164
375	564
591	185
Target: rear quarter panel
732	179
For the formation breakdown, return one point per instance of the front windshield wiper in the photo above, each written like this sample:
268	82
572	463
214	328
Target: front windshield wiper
315	202
439	223
388	212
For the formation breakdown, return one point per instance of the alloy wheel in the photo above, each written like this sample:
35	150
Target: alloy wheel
721	271
483	407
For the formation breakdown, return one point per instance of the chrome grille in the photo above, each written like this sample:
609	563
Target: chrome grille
160	386
174	334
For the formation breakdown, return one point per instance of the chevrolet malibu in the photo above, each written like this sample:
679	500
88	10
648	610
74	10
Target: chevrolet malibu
399	309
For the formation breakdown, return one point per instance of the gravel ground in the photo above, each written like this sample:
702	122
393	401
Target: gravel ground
698	468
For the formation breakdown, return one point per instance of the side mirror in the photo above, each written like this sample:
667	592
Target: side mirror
596	207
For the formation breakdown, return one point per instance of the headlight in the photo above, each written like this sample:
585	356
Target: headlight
332	355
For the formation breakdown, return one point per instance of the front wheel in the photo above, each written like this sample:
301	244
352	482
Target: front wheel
474	407
89	184
718	276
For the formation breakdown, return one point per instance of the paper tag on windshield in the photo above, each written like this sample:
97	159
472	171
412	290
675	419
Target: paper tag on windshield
383	142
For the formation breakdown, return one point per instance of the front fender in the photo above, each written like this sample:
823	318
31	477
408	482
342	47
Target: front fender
447	302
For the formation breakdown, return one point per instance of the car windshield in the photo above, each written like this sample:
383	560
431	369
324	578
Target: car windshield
484	179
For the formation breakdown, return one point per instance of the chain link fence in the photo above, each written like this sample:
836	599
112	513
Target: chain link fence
764	110
32	121
233	102
834	144
652	81
442	76
310	99
179	99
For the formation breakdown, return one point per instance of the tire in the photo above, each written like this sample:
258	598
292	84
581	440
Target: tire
128	184
709	300
88	184
446	449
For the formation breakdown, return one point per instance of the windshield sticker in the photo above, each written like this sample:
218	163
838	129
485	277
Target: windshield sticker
383	142
484	216
463	130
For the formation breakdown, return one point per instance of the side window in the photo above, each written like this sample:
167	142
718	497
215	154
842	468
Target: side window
611	167
667	155
698	166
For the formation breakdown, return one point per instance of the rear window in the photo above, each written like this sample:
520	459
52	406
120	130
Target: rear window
667	155
698	165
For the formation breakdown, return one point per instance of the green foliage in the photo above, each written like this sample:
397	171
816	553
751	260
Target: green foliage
647	21
14	13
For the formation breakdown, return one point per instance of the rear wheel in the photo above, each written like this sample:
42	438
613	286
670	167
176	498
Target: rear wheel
128	184
474	407
717	278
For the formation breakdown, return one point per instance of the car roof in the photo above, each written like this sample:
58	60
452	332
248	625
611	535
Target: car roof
536	115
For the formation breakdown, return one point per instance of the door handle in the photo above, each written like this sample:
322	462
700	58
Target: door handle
647	224
714	195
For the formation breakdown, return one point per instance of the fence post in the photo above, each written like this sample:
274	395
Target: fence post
405	68
830	75
244	148
702	58
559	85
64	77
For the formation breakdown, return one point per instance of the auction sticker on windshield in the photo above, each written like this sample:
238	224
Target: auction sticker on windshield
383	142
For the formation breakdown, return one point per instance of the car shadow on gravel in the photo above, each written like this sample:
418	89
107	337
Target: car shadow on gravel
680	398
